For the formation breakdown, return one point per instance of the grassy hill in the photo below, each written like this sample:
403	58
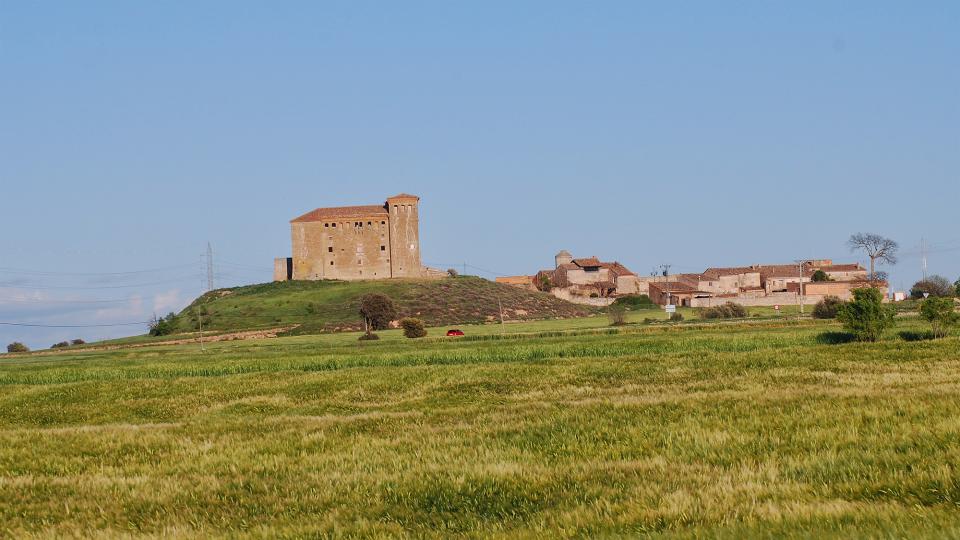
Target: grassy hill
325	306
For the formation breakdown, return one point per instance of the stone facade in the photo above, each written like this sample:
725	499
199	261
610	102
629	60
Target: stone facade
355	242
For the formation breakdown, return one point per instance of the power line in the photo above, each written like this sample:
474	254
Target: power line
19	286
8	270
31	325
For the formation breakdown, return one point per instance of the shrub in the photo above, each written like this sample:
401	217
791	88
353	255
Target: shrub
819	276
369	336
939	312
162	326
934	286
60	345
827	308
544	283
377	311
78	341
865	316
413	328
956	287
617	314
634	301
452	272
676	317
16	346
728	310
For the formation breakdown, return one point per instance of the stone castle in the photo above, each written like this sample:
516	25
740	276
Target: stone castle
355	242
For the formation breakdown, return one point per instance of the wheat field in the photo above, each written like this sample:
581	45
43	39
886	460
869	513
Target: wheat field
729	431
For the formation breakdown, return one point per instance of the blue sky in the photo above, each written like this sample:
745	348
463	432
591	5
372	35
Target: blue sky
698	134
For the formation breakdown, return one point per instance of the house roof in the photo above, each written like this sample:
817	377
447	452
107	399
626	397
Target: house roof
339	212
618	269
730	271
592	261
404	196
842	268
784	270
674	286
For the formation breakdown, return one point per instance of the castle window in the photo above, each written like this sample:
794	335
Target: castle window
331	263
334	225
383	222
326	224
383	248
330	249
369	223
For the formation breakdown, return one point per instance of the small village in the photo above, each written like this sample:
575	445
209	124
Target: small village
382	241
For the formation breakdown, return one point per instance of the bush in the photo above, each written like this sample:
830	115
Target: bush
934	286
163	326
60	345
728	310
377	311
819	276
676	317
617	314
956	287
16	347
413	328
369	336
827	308
78	341
939	312
452	272
634	301
865	316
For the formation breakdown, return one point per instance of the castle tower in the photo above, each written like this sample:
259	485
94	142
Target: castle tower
404	236
564	257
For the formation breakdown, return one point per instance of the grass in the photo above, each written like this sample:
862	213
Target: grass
553	429
324	306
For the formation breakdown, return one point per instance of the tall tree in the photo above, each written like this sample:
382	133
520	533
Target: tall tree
876	247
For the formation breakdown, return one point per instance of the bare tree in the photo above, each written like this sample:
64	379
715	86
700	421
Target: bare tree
876	247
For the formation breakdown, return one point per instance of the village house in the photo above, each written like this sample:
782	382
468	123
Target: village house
762	285
585	281
355	242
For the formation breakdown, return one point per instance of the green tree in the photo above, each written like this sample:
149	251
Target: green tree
934	286
164	325
956	287
827	308
819	276
16	346
865	316
618	314
413	328
377	311
940	313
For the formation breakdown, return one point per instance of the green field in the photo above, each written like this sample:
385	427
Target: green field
552	429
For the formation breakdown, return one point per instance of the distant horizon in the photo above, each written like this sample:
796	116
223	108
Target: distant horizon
694	135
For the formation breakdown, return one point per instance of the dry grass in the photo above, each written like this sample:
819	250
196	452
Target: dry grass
723	432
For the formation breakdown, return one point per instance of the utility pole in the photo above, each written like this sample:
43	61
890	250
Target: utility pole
209	267
200	322
500	305
800	296
923	257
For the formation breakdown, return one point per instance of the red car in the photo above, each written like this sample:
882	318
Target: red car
455	332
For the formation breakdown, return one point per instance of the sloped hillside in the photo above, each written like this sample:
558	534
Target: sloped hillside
325	306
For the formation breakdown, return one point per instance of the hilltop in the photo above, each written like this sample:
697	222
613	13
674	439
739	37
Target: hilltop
330	306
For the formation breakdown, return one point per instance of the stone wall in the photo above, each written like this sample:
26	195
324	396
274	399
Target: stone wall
404	242
346	248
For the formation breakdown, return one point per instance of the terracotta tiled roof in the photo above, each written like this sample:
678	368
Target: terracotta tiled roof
842	268
674	286
592	261
404	196
783	270
617	269
339	212
730	271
